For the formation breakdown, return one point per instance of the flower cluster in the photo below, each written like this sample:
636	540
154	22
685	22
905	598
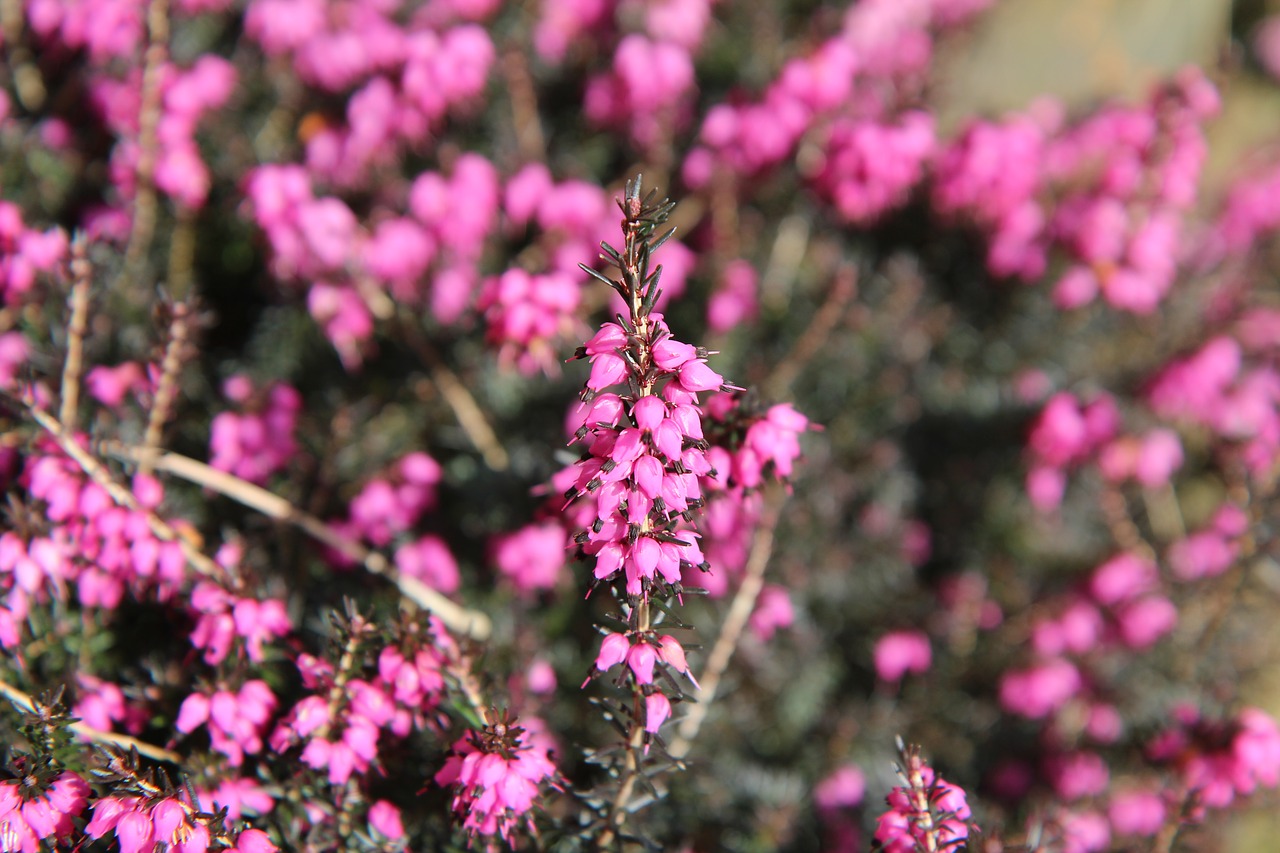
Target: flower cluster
1120	183
926	812
28	817
497	774
258	442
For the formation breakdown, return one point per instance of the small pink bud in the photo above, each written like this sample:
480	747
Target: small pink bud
607	341
613	651
696	376
385	820
900	652
646	553
649	412
671	354
606	370
193	713
648	474
641	658
657	708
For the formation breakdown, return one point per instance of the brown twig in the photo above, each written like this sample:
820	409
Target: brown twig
87	732
170	368
144	202
530	139
81	274
635	742
843	289
182	254
123	497
471	623
744	602
465	408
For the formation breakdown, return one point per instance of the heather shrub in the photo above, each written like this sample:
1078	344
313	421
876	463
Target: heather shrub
618	425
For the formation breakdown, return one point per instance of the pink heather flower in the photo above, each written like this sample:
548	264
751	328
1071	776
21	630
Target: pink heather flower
646	91
870	167
256	443
734	301
540	678
253	841
1104	724
223	618
111	385
495	790
1150	460
1039	690
236	721
29	817
102	705
384	818
773	611
1205	554
345	319
901	828
900	652
641	658
843	788
430	561
1076	630
1077	775
1141	623
657	708
1045	487
613	651
1123	578
990	170
389	506
1221	760
1140	813
142	825
527	315
14	352
1084	832
560	24
239	797
1060	435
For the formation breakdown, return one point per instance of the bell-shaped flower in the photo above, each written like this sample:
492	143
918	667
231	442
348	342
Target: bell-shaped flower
613	651
641	658
696	376
649	412
657	708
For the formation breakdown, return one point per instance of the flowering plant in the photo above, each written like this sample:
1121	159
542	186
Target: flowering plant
368	485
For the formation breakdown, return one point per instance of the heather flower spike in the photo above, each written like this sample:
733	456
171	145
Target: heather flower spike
637	486
926	812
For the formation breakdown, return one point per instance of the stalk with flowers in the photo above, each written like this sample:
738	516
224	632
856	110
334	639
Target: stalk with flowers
636	488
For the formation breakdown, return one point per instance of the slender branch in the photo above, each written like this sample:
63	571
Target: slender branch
619	808
81	275
123	497
87	732
635	741
530	139
744	602
471	623
465	408
170	368
182	253
815	336
144	202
